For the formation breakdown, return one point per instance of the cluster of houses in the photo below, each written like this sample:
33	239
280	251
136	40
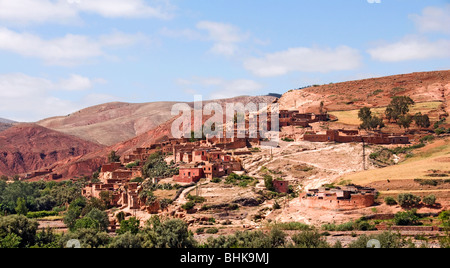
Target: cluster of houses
207	158
217	157
347	136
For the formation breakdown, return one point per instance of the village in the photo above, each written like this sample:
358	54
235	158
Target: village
211	158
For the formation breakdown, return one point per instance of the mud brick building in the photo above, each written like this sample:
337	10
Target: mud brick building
347	136
295	118
281	186
189	175
339	198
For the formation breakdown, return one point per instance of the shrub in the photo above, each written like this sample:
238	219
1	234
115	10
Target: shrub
137	179
41	214
406	218
196	199
309	239
216	180
188	206
276	206
212	230
408	200
390	201
268	182
429	200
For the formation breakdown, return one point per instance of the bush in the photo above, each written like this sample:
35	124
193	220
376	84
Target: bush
390	201
41	214
216	180
188	206
430	200
137	179
406	218
268	182
212	230
427	182
408	200
196	199
309	239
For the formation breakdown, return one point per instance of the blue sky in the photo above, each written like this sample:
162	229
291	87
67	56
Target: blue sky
59	56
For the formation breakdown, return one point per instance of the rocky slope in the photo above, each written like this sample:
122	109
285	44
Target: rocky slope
29	147
112	123
375	92
5	124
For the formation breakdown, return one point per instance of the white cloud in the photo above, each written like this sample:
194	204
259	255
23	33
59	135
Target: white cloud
68	50
62	11
226	37
411	48
28	98
128	8
219	88
433	19
303	59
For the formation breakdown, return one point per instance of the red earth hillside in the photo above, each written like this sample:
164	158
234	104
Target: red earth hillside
29	147
375	92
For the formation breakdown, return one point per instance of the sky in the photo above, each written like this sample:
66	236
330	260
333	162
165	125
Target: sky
60	56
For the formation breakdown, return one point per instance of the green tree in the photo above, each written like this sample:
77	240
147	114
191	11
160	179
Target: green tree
21	226
21	208
422	121
127	240
120	217
268	182
10	241
309	239
99	216
89	238
369	121
168	234
405	121
408	200
406	218
113	157
131	225
400	105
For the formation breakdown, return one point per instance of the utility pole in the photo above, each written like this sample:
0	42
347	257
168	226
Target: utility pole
364	154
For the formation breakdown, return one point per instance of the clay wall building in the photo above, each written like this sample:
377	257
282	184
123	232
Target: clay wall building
339	198
189	175
281	186
347	136
122	174
111	167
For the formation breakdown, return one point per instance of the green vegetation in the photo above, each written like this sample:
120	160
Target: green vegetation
113	157
369	121
358	225
407	218
268	182
429	200
188	206
390	201
132	165
196	199
408	200
41	214
399	107
23	197
239	180
157	167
